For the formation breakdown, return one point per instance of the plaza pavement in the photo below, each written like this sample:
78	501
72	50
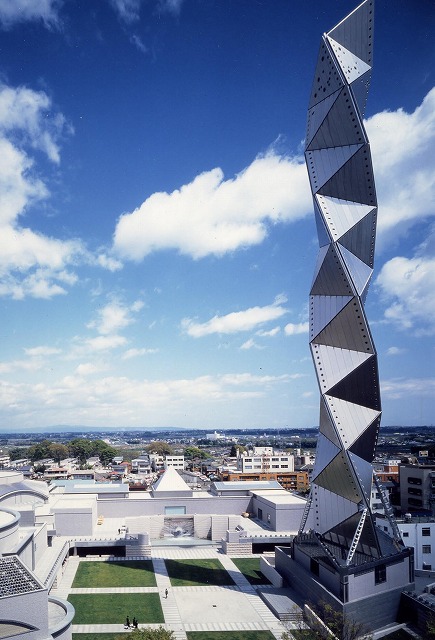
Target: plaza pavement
198	608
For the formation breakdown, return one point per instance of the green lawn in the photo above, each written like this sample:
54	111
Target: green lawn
95	636
250	567
110	608
135	573
230	635
186	573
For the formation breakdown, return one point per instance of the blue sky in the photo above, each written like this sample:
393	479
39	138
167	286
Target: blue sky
158	241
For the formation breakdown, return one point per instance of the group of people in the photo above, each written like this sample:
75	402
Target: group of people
131	625
134	624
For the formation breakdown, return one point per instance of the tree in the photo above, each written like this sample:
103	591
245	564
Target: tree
40	450
150	634
160	447
235	449
341	625
16	453
58	451
105	452
80	448
194	452
430	628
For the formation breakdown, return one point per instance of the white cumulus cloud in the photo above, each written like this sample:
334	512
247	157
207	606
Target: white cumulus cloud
404	163
211	215
31	263
115	316
136	353
407	286
237	320
292	329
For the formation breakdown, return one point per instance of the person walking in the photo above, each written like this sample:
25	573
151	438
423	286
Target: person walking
166	593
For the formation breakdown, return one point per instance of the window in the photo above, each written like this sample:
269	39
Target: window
426	548
175	511
380	574
425	531
405	534
275	466
412	480
314	566
414	492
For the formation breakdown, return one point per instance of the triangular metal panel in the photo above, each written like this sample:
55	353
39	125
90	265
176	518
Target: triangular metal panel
324	163
327	78
364	292
341	126
354	181
340	510
339	478
322	232
323	251
364	472
360	89
352	421
347	330
332	364
326	425
359	271
345	530
330	279
317	114
369	542
352	66
323	309
360	239
360	386
365	445
355	32
342	216
325	453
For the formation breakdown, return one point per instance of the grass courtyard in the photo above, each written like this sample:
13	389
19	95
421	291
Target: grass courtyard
188	573
95	636
250	567
134	573
230	635
113	608
109	608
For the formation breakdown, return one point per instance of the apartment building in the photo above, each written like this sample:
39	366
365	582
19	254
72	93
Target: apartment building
266	460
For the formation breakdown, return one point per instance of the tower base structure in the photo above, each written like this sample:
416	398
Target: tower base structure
367	593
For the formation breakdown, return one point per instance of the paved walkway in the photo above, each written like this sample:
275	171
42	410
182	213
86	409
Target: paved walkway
199	608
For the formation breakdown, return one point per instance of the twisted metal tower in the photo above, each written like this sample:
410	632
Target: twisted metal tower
341	176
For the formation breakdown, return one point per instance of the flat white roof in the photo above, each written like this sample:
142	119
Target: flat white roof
280	497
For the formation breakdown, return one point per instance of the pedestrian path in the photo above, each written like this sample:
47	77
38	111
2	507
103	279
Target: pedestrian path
64	585
167	600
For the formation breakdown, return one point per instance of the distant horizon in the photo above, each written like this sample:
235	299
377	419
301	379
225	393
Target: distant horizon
74	428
